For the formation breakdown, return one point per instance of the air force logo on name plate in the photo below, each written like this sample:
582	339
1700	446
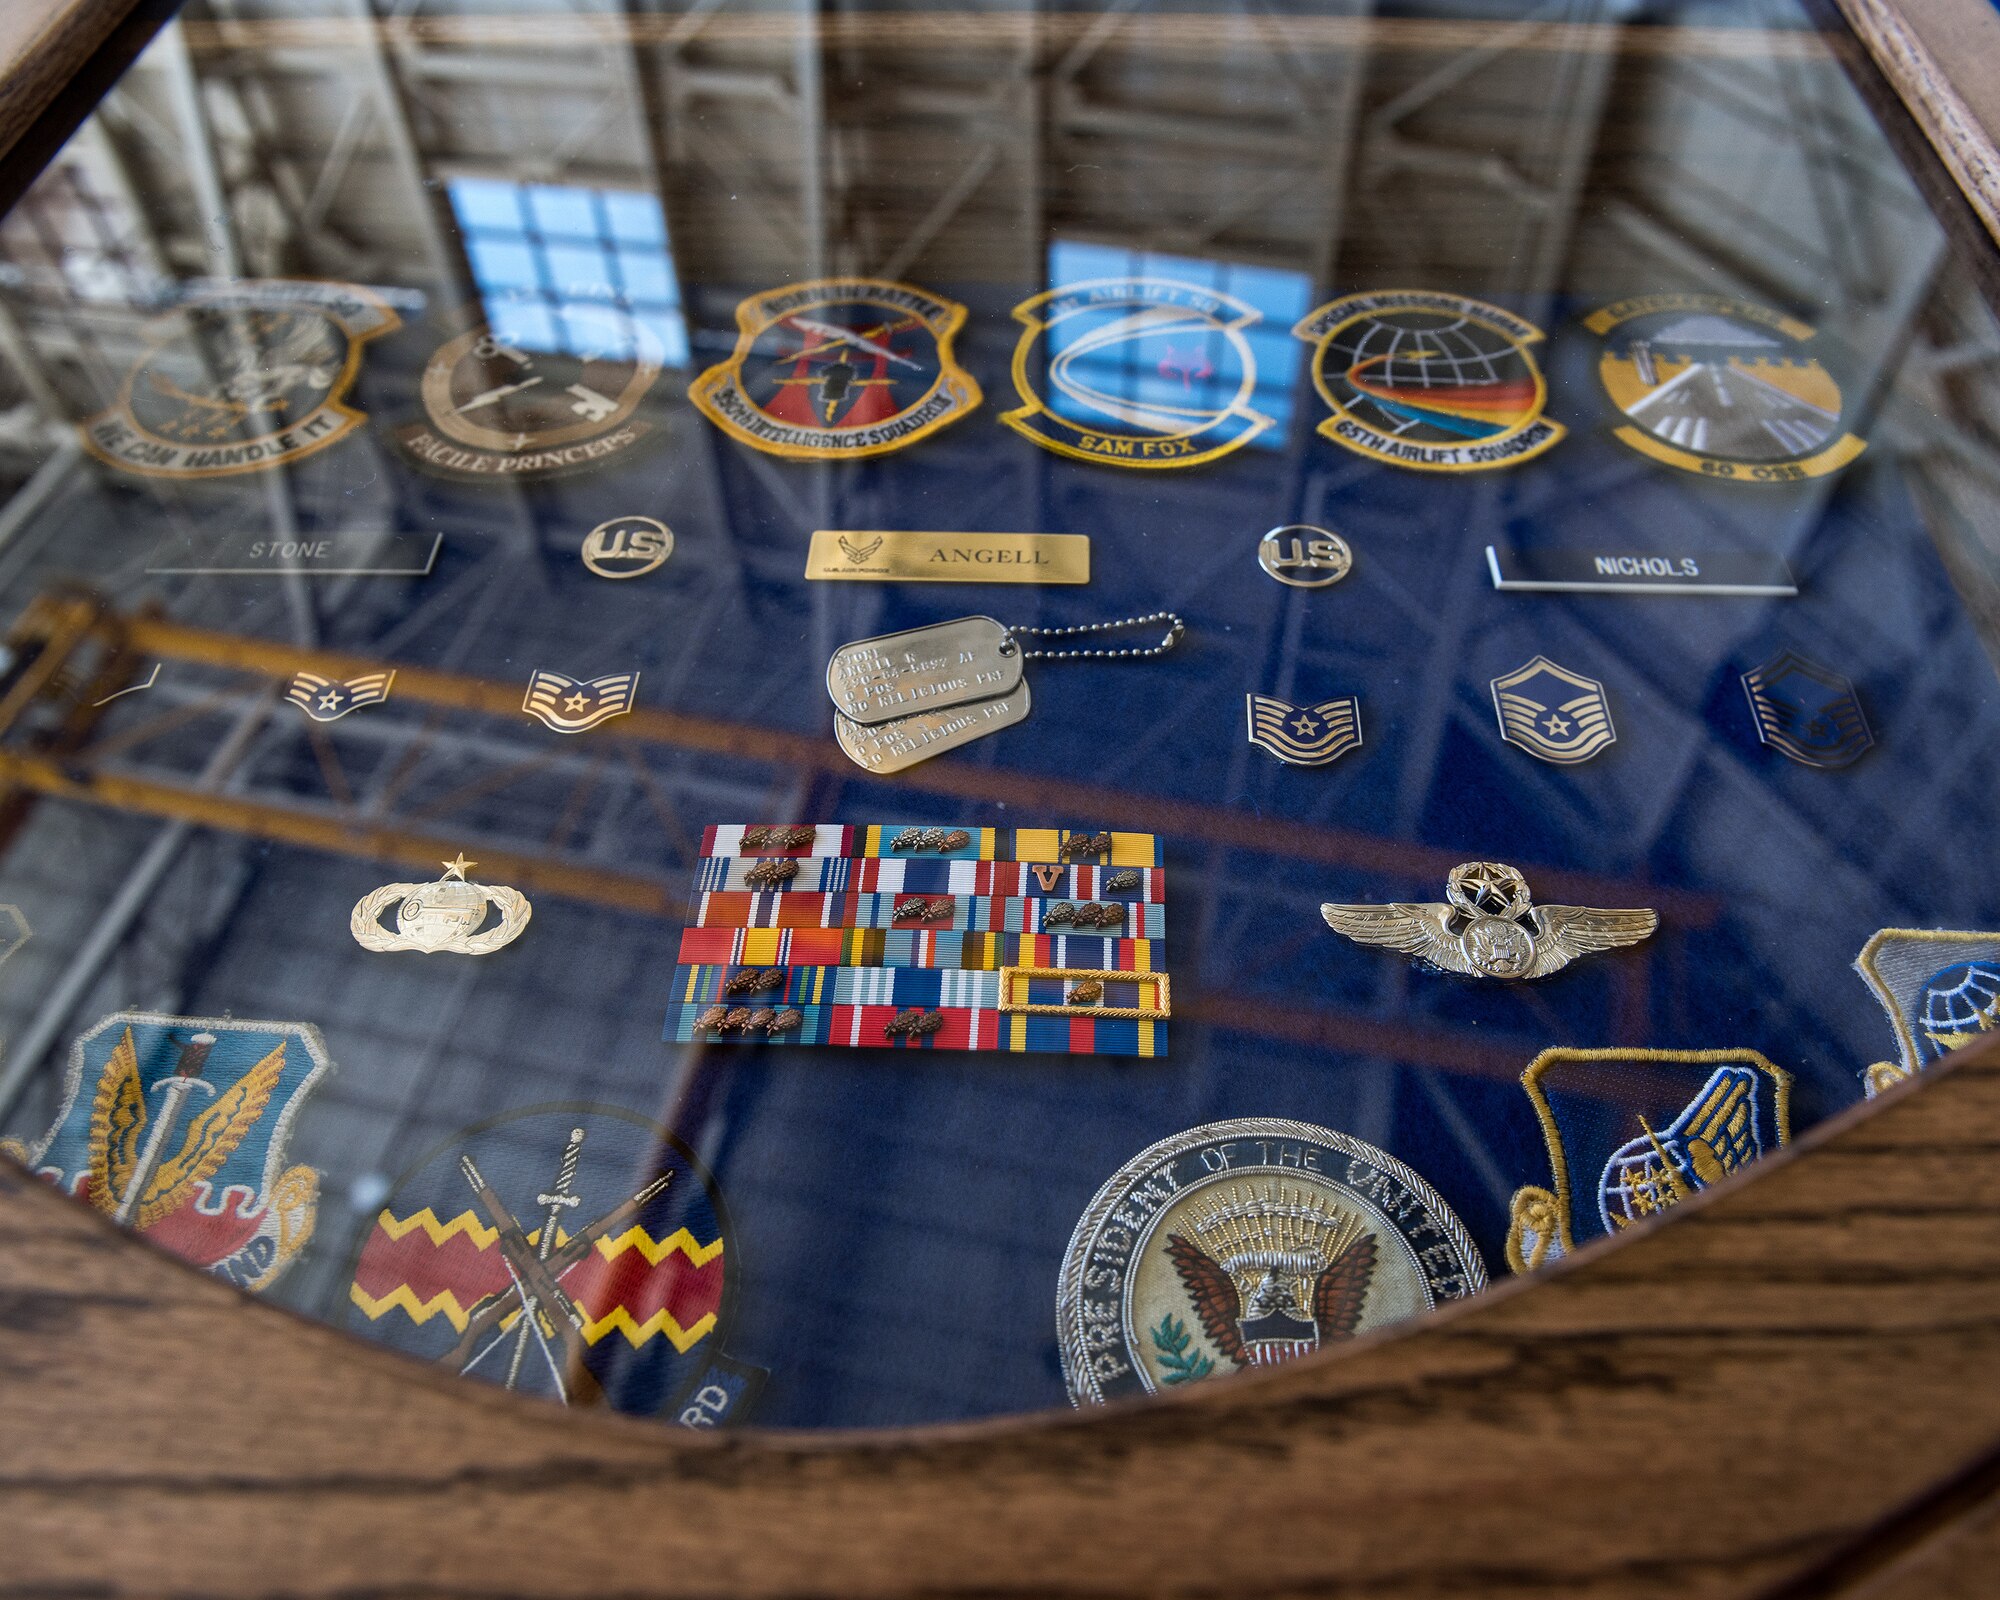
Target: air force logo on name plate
1553	713
1941	990
330	699
572	705
1808	712
1632	1133
1304	736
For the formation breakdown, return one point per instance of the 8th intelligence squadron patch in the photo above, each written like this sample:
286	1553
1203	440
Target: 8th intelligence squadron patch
1634	1132
1941	990
839	367
176	1127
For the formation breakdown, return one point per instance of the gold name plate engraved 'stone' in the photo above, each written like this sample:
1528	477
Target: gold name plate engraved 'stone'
1155	982
887	555
904	741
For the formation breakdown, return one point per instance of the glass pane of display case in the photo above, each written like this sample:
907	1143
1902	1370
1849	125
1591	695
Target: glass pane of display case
837	716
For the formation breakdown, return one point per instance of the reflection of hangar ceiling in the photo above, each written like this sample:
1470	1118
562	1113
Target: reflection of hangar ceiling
1573	155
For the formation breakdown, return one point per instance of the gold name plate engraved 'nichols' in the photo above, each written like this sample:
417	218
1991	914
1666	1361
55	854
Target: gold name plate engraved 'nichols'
897	556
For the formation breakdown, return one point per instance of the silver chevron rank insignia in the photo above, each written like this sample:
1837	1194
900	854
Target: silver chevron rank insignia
328	699
571	705
1553	713
1304	736
1490	927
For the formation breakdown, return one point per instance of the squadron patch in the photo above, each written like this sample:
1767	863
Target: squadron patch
1437	382
1304	736
176	1128
1631	1133
1721	387
578	1252
1244	1244
1941	990
1136	372
1553	713
497	410
1808	712
239	379
839	367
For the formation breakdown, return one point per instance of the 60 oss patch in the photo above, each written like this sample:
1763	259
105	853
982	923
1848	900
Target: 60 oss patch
1247	1243
839	367
1721	387
1941	990
176	1128
1139	372
1635	1132
499	410
1437	382
240	379
604	1226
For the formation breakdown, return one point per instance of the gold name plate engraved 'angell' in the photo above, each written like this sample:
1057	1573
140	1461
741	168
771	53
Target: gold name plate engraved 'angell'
885	555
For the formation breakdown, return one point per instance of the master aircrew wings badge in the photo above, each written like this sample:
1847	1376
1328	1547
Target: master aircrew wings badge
577	1252
1136	372
1437	382
1721	387
176	1128
1553	713
1304	736
240	379
1941	990
1632	1133
839	368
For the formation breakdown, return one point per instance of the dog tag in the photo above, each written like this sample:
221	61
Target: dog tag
948	664
904	741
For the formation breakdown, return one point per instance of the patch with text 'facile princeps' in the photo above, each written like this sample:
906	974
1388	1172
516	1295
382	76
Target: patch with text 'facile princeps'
920	937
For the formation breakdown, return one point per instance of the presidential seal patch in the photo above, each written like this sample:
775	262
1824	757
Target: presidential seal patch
839	367
176	1128
498	410
1721	387
1941	990
1247	1243
1437	382
239	379
1632	1133
1136	372
578	1252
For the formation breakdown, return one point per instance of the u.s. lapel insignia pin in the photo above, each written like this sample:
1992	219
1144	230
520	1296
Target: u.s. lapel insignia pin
176	1127
839	368
1632	1133
1807	712
1553	713
330	699
450	914
1304	736
573	705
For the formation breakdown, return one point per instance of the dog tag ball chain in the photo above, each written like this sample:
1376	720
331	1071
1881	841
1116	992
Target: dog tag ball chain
904	697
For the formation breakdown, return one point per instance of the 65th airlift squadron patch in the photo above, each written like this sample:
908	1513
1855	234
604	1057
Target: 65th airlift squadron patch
1437	382
839	367
1635	1132
1721	387
1136	372
239	379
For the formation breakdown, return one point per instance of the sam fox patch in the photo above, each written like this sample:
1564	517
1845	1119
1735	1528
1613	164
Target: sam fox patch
1136	372
1631	1133
605	1227
839	368
239	379
176	1128
1721	387
1941	990
1435	382
499	410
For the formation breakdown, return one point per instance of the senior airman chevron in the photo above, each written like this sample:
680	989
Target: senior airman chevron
913	936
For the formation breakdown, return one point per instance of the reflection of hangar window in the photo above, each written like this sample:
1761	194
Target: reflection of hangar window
1177	368
548	257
